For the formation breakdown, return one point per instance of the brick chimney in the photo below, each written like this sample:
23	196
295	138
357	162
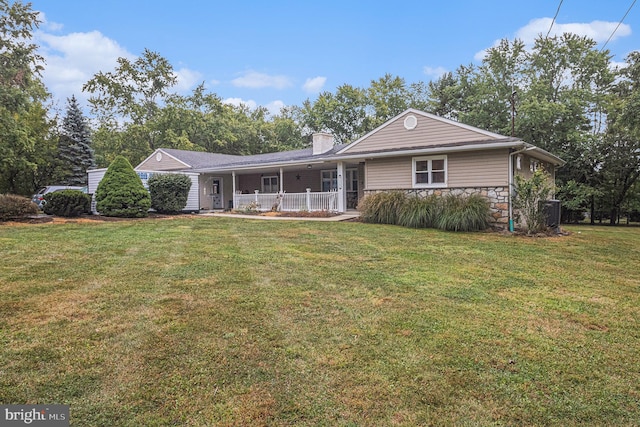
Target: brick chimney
322	142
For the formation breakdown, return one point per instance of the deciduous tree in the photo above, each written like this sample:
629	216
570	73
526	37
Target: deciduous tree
24	125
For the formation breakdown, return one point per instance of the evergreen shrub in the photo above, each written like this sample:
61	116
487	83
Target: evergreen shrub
121	193
16	207
169	192
67	203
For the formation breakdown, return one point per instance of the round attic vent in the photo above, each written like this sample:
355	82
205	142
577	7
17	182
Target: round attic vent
410	122
158	156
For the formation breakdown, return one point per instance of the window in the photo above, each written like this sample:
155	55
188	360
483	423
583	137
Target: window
430	171
534	165
352	180
329	180
270	184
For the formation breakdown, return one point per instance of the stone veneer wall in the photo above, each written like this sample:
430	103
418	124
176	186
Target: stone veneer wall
498	199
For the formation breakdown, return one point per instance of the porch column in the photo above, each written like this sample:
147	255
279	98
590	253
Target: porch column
342	194
233	183
281	181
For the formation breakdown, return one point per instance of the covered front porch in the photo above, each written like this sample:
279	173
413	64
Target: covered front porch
332	187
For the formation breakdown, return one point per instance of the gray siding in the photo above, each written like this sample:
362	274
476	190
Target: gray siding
428	132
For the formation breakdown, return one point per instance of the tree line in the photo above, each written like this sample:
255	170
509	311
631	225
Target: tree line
563	94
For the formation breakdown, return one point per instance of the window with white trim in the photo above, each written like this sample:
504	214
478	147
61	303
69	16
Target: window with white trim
430	171
329	180
270	184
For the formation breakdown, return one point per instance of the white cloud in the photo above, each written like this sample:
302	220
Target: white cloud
436	72
314	85
187	79
599	31
48	25
73	59
274	107
255	80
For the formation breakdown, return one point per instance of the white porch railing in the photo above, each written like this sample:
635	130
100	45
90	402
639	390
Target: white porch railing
309	201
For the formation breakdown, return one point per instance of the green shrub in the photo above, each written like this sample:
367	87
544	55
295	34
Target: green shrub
419	212
121	193
527	201
460	213
382	208
67	203
169	192
16	207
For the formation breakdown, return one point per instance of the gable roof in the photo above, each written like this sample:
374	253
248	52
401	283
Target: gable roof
430	134
426	130
198	159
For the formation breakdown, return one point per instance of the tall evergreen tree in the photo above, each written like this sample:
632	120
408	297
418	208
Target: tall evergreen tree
76	154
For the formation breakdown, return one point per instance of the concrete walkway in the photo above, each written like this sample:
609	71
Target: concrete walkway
342	217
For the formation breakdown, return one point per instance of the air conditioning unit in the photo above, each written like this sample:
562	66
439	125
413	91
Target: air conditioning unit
551	209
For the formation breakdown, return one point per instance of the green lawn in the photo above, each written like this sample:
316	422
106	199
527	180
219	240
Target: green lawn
210	321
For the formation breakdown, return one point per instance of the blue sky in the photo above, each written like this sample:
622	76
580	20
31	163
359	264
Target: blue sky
282	52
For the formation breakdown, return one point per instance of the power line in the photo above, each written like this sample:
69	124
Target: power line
618	26
554	18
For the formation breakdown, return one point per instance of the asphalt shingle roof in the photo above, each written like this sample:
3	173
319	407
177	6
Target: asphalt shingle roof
201	160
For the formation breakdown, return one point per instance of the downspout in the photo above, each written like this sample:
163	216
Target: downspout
511	175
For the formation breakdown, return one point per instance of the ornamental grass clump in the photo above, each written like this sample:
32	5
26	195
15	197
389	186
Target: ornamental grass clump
419	212
450	213
382	208
459	213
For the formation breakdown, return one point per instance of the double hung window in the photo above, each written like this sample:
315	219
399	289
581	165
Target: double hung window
430	171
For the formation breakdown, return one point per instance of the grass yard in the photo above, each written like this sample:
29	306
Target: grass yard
210	321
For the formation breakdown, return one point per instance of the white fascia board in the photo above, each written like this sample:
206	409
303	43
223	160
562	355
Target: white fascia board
434	150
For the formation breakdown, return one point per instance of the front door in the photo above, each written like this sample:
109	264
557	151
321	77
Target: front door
216	193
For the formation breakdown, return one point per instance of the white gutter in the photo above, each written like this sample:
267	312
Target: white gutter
435	150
